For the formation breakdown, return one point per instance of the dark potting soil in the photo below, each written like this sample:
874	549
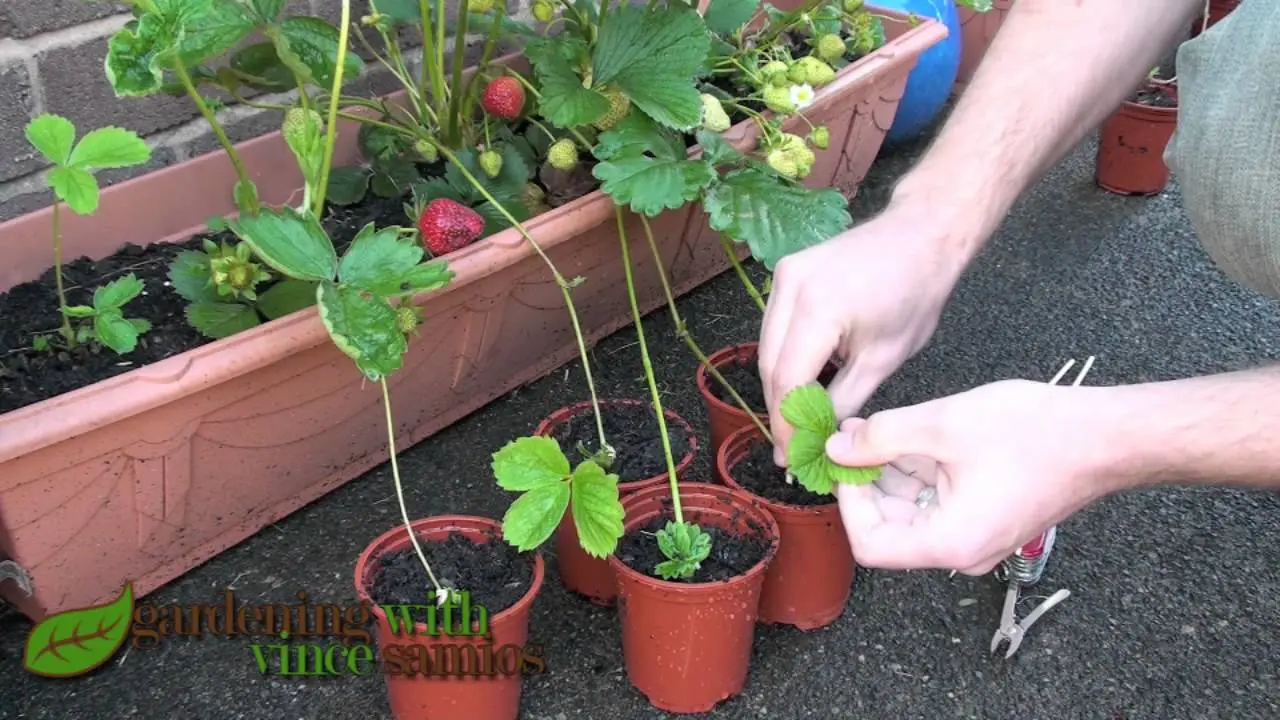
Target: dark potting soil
731	555
757	473
28	376
495	574
1154	96
744	376
632	430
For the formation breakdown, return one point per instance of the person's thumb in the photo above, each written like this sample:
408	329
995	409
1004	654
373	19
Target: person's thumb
887	436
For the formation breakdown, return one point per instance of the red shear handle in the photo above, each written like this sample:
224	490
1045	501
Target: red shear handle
1035	548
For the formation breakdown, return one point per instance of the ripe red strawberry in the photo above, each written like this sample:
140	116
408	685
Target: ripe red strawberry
447	225
504	98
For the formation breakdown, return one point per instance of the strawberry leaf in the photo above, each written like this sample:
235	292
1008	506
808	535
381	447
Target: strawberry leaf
530	462
117	293
564	102
53	136
286	297
653	56
775	218
724	17
597	513
114	331
379	260
647	168
811	414
533	517
109	147
291	242
221	319
76	188
363	326
189	274
309	46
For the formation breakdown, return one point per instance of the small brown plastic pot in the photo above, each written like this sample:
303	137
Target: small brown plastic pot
809	581
687	646
495	697
579	572
724	418
1131	146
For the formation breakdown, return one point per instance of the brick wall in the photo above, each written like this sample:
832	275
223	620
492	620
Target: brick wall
51	56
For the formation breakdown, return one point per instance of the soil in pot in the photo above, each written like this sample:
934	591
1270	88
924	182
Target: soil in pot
744	375
632	429
809	580
28	375
495	574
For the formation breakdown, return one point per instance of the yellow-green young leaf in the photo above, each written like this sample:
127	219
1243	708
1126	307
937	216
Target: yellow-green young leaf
533	517
530	462
76	188
597	513
115	294
807	460
74	642
810	412
109	147
53	136
854	475
115	332
809	407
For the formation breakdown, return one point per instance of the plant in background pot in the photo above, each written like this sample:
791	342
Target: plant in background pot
809	580
1131	143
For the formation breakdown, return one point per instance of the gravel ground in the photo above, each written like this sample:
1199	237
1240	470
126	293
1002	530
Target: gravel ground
1173	612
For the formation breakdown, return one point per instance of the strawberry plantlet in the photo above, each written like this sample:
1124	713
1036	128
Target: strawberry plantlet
811	414
74	184
685	546
536	468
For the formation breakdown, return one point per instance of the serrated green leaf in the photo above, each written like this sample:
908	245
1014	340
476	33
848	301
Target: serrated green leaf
291	242
379	260
286	297
217	320
494	221
597	513
809	407
209	28
314	43
533	517
117	293
75	642
429	276
646	168
807	460
268	11
53	136
810	412
826	20
140	324
438	187
363	326
530	462
394	177
653	56
114	331
773	217
259	66
725	17
715	150
348	185
636	133
134	52
109	147
77	188
564	102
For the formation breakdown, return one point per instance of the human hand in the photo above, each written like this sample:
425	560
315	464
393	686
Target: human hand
1006	460
870	297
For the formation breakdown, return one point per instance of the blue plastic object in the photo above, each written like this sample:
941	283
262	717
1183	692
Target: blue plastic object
930	82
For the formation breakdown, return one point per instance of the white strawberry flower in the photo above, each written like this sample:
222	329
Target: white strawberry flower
801	95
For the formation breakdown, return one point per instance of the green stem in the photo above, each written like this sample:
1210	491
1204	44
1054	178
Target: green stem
648	367
560	281
550	135
331	132
67	333
727	244
180	69
395	476
459	46
490	44
682	330
439	57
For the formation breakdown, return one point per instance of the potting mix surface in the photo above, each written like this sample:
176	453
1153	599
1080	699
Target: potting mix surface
1173	614
632	431
493	574
757	473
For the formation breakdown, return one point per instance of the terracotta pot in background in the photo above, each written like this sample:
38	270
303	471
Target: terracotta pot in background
439	698
809	580
144	476
1131	145
579	572
724	418
687	646
1218	9
977	32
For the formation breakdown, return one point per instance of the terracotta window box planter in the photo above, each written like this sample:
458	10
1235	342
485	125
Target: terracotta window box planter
146	475
977	32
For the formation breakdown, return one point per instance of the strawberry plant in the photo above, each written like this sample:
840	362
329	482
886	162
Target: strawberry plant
809	410
74	184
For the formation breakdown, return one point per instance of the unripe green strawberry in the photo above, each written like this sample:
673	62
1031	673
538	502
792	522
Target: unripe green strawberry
852	6
798	73
563	155
780	80
426	150
778	99
830	47
772	71
714	118
816	72
820	137
619	106
542	11
408	318
490	163
783	163
480	6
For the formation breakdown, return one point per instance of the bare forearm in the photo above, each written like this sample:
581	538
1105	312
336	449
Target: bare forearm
1214	430
1055	71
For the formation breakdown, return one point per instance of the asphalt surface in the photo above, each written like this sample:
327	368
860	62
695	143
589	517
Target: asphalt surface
1173	612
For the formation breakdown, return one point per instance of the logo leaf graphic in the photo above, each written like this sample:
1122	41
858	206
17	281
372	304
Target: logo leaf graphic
76	641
